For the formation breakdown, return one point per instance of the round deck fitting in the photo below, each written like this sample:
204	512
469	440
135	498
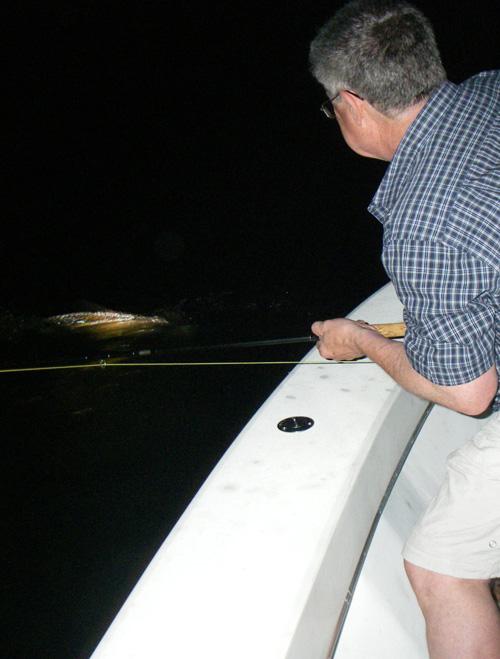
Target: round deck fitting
295	424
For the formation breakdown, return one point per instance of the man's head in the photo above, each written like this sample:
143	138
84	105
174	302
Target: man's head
383	50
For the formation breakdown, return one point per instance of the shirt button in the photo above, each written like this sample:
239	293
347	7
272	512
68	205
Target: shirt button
492	544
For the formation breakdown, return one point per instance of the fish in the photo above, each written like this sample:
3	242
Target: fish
106	323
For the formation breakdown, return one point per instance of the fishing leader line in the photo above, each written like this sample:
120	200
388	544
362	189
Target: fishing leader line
105	364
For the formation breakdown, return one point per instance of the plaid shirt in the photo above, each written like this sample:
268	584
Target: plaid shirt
439	205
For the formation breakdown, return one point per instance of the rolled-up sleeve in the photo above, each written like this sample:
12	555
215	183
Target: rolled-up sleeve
448	297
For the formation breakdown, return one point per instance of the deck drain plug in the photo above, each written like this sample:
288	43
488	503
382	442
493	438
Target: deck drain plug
295	424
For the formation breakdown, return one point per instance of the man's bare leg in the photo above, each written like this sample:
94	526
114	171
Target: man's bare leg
496	591
462	619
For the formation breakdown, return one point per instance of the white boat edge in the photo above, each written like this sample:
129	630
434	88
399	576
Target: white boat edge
263	561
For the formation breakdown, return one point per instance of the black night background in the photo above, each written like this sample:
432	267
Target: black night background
162	158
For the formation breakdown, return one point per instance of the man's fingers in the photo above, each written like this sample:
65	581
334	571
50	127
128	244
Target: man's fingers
317	328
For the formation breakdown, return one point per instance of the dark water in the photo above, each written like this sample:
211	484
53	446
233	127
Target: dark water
100	463
161	163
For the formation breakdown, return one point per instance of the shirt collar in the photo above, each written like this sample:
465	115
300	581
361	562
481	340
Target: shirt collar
414	140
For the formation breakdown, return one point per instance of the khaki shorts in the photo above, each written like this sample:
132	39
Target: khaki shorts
459	534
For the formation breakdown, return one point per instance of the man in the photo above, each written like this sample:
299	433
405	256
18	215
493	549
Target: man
438	203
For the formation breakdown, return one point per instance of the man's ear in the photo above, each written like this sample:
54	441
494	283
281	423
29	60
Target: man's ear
355	106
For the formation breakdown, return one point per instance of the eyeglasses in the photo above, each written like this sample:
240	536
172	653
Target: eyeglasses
327	106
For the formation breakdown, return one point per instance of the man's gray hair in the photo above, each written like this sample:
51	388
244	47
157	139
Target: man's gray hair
384	50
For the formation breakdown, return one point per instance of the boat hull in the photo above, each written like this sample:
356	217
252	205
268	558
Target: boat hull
264	560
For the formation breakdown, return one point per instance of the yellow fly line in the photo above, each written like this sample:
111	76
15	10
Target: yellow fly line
105	364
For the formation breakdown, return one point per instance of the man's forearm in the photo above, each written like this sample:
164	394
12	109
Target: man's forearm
341	338
470	398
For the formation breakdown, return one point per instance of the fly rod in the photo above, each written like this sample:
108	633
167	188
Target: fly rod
389	330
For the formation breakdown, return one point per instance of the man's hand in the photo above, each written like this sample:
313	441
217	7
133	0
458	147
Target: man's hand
339	338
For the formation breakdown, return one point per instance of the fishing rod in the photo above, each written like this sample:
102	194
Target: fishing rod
388	330
247	344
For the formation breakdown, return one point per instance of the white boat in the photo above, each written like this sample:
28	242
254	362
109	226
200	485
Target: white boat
291	549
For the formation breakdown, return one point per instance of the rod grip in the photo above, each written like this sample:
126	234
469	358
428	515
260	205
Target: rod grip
390	330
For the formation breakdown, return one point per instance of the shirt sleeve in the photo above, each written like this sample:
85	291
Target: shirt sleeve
449	310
